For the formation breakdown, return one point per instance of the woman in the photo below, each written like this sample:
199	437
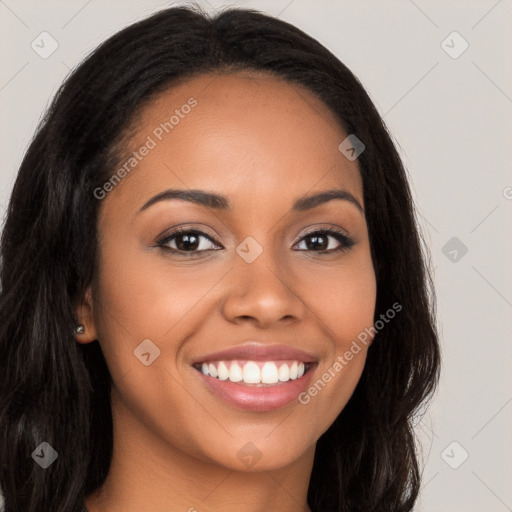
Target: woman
214	295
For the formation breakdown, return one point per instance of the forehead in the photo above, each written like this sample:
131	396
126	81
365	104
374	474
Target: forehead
246	134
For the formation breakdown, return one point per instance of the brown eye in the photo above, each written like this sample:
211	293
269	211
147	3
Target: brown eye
187	241
318	241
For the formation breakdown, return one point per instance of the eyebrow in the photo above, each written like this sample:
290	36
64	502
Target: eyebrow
220	202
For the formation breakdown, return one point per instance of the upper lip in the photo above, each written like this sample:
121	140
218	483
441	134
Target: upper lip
255	351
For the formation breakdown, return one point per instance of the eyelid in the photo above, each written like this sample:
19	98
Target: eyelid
324	228
200	229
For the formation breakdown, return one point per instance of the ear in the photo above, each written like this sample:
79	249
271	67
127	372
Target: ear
84	314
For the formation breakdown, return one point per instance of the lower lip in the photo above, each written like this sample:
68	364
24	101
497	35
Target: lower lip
253	398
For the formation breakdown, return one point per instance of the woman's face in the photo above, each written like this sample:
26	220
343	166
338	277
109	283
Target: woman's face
250	271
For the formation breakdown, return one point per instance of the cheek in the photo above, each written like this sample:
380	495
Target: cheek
141	297
346	311
144	296
345	299
125	299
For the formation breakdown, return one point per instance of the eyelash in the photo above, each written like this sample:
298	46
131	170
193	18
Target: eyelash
346	242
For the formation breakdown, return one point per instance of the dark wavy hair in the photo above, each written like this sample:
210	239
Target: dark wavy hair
56	390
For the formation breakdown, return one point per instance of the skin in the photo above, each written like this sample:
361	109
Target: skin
262	143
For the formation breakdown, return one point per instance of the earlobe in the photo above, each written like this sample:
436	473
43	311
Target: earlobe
85	330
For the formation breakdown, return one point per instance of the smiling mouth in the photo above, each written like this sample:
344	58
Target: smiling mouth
255	373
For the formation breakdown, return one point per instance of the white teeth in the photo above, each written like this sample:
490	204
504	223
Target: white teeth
212	370
269	373
223	371
250	373
284	373
235	372
293	370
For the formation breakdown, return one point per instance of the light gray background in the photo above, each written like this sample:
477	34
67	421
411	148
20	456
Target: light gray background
451	118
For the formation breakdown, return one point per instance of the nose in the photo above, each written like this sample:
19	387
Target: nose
263	292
